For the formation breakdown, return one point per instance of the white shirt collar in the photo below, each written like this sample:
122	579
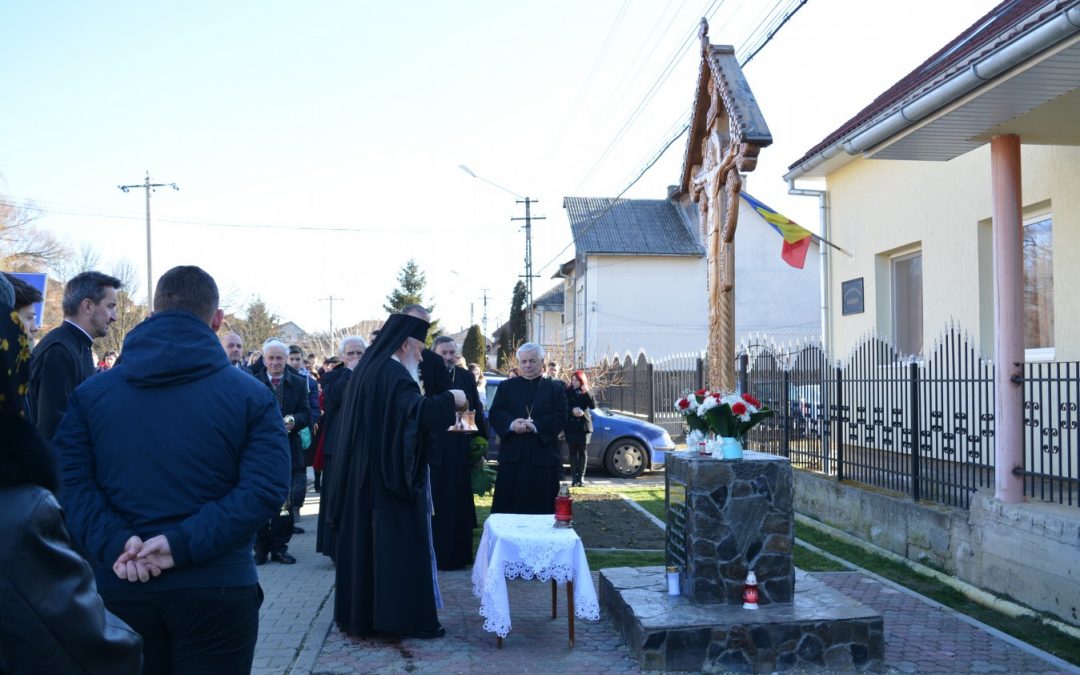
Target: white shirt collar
80	328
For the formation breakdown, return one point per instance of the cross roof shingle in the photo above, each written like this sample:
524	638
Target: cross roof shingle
629	227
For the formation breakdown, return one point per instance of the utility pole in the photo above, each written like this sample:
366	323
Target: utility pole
331	299
148	186
528	262
485	316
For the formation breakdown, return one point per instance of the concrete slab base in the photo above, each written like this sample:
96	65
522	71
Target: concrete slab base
822	629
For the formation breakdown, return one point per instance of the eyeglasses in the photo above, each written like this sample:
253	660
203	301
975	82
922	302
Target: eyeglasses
354	353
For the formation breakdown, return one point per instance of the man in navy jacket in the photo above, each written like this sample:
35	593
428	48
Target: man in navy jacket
170	462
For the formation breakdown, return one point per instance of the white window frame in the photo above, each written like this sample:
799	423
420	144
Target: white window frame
1040	354
893	290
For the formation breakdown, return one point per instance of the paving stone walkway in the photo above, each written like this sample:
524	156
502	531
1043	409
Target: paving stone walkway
296	635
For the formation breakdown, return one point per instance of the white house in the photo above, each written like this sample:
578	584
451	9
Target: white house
638	280
546	319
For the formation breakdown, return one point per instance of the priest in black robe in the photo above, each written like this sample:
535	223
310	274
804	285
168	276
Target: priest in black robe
529	412
454	519
386	583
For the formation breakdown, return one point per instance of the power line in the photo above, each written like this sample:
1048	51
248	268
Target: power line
87	212
616	199
772	33
653	90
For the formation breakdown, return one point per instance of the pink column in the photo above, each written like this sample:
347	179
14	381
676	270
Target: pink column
1008	231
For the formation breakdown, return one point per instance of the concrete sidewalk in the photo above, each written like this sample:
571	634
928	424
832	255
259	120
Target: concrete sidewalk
296	635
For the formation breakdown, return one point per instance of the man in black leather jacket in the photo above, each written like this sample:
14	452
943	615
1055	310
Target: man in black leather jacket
53	620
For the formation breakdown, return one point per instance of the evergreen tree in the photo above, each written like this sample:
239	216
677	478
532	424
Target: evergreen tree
410	291
503	348
259	326
518	324
474	348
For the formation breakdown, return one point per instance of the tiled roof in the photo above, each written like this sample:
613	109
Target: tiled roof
553	297
629	227
1001	24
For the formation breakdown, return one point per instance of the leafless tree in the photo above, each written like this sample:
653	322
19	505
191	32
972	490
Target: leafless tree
24	246
128	312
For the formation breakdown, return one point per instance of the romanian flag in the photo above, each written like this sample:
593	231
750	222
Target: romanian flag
796	237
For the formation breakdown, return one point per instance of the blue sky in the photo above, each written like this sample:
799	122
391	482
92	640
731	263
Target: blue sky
317	144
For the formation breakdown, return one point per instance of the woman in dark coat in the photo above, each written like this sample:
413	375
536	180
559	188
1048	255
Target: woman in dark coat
53	618
579	402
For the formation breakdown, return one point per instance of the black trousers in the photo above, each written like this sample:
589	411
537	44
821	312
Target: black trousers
297	491
577	461
201	631
274	536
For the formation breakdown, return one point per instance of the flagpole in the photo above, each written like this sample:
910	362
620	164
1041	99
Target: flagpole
826	241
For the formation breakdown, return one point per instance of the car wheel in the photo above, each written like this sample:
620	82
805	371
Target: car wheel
626	458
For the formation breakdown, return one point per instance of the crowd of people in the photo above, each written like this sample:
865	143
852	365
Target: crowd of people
181	465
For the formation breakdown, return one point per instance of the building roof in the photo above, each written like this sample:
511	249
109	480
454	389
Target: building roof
629	227
552	299
1002	25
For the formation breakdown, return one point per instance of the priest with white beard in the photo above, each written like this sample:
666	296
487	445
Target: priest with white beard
379	498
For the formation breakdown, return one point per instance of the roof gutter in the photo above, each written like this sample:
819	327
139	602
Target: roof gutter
1015	53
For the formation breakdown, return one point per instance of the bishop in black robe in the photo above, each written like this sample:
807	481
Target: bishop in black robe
530	463
379	499
454	520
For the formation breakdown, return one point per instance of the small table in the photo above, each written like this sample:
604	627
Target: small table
531	547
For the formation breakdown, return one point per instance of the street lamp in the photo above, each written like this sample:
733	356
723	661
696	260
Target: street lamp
528	244
148	186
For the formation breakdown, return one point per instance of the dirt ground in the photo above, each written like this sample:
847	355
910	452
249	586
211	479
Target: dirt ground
607	521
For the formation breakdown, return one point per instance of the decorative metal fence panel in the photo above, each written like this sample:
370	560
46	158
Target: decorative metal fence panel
862	419
1051	398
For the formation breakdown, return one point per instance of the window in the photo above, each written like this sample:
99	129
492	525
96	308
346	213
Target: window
907	310
1039	285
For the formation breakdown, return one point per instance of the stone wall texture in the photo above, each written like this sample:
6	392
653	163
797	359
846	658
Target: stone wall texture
728	518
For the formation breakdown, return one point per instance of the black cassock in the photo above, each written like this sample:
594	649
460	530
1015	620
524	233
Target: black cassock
451	484
530	464
379	504
334	384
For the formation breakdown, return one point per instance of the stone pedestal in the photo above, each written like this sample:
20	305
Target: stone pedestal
822	630
724	520
728	518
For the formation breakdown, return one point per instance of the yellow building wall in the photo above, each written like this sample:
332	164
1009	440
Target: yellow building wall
880	208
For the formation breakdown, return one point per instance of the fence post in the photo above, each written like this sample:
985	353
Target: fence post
916	431
742	366
652	391
839	423
785	414
699	374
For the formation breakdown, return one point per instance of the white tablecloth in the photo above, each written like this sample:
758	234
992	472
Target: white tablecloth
528	546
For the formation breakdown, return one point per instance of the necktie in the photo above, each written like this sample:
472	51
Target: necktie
276	381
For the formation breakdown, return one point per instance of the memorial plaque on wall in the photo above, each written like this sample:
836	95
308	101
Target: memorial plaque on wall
852	300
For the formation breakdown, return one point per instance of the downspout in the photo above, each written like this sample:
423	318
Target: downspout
824	269
825	281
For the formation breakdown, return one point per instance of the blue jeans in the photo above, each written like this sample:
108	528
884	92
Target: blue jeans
195	630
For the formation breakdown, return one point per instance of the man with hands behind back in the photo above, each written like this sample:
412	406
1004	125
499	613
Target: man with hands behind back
170	462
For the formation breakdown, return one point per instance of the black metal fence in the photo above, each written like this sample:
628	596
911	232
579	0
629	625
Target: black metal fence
861	419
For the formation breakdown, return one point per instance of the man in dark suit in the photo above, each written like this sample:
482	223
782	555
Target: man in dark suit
290	392
451	471
528	414
63	360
